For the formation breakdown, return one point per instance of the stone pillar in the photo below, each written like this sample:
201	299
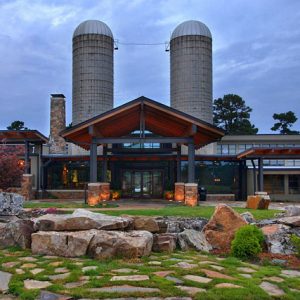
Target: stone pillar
26	186
57	123
191	194
93	194
179	191
104	191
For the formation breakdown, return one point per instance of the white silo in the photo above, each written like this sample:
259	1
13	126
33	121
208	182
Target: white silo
191	69
93	75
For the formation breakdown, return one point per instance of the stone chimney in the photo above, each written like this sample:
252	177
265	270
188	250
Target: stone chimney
57	123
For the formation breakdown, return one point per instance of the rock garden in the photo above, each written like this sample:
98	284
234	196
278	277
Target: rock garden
89	255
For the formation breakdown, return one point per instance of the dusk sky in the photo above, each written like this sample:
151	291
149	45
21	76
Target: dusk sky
256	52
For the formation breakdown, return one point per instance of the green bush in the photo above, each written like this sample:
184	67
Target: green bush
296	242
247	242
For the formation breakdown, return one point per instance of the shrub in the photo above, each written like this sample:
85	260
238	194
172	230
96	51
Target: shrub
247	242
296	242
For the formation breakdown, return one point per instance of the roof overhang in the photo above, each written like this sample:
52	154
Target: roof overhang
270	153
20	136
158	118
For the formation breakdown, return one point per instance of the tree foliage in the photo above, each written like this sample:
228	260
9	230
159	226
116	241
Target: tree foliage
284	123
17	125
233	115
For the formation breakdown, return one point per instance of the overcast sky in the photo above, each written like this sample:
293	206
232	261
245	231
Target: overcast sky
256	52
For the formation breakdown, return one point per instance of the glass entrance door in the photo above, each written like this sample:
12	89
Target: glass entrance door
142	184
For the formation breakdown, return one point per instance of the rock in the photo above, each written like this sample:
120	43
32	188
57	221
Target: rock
163	273
154	263
191	290
218	268
248	217
81	219
179	224
45	295
4	281
220	229
130	278
225	285
28	259
28	266
280	262
17	233
36	271
72	285
124	289
214	274
89	268
174	279
290	221
125	270
278	239
164	242
292	210
11	204
66	244
144	223
59	276
246	275
271	289
30	284
199	279
290	273
10	264
246	270
192	239
274	279
62	270
258	202
185	265
107	244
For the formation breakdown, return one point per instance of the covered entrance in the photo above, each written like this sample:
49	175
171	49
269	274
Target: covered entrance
142	183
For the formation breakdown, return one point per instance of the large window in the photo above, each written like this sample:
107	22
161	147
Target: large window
294	184
274	184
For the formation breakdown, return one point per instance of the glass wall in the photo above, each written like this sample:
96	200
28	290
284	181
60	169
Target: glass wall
274	184
218	177
69	174
294	184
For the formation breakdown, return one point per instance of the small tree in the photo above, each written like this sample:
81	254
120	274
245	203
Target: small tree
233	115
285	122
17	125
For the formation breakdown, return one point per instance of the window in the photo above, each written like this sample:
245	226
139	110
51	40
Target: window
294	184
225	149
274	184
232	149
241	148
219	149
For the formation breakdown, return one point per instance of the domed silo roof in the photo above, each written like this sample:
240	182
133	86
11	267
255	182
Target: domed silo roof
191	27
93	27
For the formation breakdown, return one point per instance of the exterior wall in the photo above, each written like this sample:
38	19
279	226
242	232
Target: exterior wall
57	124
191	75
92	76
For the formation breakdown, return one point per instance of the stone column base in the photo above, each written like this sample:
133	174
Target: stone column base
26	186
179	191
191	194
104	191
93	194
260	200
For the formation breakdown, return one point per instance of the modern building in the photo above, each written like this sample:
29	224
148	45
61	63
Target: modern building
144	147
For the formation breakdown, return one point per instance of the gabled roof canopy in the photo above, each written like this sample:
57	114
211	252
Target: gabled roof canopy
158	118
270	153
20	136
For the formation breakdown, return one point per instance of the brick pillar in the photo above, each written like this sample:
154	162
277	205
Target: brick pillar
26	186
191	194
93	194
57	123
179	191
104	191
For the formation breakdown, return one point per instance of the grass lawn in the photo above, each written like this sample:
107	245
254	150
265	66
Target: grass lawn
168	210
103	271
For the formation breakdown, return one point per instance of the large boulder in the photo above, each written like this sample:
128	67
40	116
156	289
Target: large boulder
179	224
16	233
277	237
192	239
258	201
248	217
164	242
81	219
144	223
132	244
290	221
292	210
66	244
11	204
220	229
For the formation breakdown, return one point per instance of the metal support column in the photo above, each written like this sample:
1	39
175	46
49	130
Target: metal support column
191	162
260	175
93	162
254	176
178	161
27	162
104	164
